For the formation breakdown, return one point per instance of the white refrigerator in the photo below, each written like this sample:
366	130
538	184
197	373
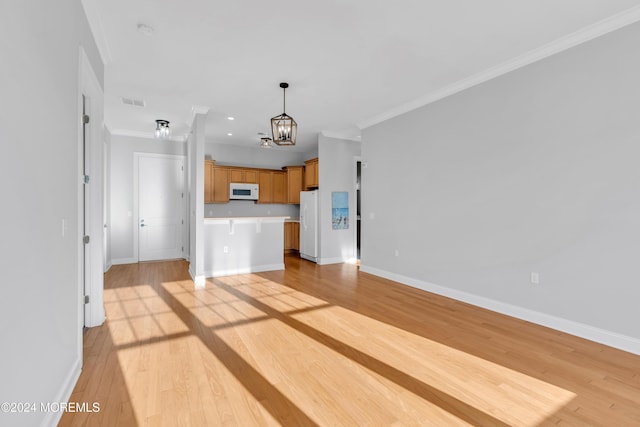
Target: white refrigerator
309	225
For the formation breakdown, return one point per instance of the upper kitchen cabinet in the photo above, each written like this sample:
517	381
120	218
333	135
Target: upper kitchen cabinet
266	187
311	174
282	187
273	187
208	181
216	183
279	187
294	183
243	175
220	184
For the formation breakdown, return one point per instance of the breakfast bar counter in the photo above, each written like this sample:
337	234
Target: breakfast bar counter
240	245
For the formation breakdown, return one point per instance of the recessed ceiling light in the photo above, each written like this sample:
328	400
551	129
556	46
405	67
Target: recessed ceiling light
231	118
145	29
229	134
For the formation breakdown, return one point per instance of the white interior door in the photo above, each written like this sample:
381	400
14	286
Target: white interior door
160	207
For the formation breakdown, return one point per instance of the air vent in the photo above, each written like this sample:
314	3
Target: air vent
136	102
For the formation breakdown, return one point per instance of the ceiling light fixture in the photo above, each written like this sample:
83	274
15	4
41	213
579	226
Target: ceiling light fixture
162	129
266	142
283	127
231	118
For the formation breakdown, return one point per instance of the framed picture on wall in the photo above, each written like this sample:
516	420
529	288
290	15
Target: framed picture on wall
340	210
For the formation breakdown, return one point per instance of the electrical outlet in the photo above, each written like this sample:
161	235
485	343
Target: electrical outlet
396	252
225	249
535	278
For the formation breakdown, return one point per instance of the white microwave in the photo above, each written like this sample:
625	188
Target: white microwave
241	191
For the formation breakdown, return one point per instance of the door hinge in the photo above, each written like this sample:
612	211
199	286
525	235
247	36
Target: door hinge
182	195
85	119
86	179
182	249
183	222
85	239
86	299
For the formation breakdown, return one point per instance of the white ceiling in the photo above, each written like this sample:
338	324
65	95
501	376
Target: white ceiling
349	63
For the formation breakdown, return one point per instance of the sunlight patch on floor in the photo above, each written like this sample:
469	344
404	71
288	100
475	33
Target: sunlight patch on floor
446	369
308	350
477	382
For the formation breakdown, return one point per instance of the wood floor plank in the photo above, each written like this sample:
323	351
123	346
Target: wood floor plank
330	345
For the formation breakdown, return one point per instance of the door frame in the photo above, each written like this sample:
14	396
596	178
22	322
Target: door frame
354	206
90	263
136	228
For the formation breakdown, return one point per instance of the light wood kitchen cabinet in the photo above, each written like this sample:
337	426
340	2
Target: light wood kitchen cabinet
273	187
291	236
208	181
279	181
250	176
266	188
220	185
276	186
311	174
243	175
294	183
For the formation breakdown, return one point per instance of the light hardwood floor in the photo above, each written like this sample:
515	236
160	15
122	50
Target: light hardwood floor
331	346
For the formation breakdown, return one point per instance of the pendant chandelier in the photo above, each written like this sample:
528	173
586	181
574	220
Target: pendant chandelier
162	129
266	142
283	127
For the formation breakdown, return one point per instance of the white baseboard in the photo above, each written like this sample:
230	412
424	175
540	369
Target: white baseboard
245	270
199	280
108	266
123	261
581	330
336	260
52	418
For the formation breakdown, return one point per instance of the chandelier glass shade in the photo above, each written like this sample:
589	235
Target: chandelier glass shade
162	129
266	142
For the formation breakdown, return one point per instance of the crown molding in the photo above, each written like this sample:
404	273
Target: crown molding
95	24
339	135
583	35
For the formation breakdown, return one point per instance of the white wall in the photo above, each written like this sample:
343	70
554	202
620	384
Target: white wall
250	208
40	315
337	172
534	171
274	158
123	224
